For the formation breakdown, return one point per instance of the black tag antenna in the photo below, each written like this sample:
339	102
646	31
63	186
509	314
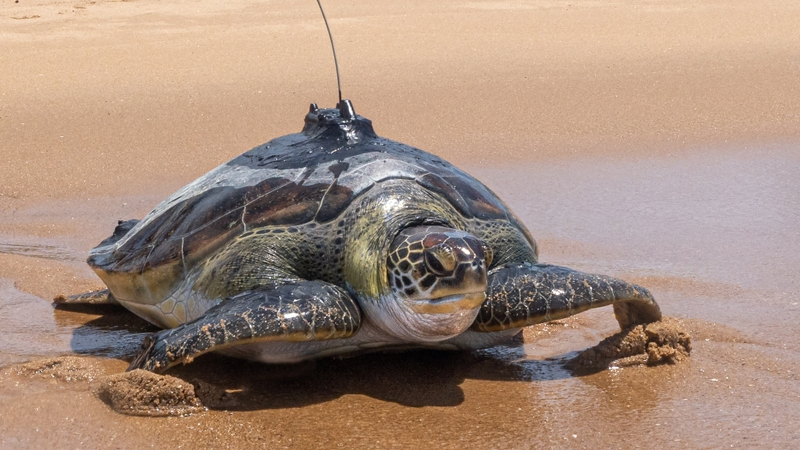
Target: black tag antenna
335	61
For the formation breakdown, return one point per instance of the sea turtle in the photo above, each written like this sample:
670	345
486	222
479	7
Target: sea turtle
334	241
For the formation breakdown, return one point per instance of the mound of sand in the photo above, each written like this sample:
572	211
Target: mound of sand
662	342
143	393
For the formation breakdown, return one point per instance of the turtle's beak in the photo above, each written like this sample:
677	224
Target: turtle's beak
528	294
449	304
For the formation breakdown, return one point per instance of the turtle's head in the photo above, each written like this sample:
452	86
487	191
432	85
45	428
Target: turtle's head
437	277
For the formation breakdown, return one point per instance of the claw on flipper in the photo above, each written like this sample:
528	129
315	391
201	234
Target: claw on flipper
143	355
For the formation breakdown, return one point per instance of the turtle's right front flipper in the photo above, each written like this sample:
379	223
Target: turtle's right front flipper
528	294
298	311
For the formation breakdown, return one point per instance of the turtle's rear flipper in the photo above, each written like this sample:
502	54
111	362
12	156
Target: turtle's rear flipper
297	311
528	294
101	297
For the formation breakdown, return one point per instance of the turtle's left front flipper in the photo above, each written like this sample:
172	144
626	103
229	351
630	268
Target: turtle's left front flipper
297	311
100	297
528	294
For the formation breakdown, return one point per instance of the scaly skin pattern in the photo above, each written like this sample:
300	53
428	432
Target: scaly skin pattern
435	261
528	294
305	311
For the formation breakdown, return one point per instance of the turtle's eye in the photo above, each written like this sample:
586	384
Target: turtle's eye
488	254
440	260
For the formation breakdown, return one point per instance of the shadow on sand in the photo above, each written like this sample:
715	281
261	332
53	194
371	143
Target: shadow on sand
413	378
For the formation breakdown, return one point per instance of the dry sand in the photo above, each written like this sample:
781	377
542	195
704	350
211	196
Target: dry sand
653	140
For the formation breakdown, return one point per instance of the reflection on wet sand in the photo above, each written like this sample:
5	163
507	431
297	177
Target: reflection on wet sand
115	333
34	328
28	327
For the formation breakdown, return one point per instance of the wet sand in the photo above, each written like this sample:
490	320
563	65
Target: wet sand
656	141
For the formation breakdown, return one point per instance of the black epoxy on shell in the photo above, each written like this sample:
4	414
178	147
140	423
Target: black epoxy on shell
338	168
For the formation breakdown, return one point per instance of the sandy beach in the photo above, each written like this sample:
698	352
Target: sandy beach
653	140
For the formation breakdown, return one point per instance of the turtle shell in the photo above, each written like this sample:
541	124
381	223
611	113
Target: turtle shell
310	176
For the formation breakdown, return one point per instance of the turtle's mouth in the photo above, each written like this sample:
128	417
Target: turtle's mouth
449	303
